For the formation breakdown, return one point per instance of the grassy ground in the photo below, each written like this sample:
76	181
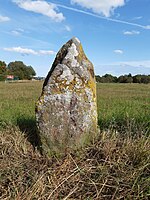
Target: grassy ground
115	166
118	104
124	106
17	101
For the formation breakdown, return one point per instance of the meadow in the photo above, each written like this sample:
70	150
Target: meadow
115	166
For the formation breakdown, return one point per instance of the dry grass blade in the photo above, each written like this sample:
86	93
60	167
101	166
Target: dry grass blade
65	180
70	193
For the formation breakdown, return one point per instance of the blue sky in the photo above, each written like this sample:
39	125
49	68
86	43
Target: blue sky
115	34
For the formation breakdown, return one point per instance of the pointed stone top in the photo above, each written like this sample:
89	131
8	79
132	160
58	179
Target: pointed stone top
71	54
75	40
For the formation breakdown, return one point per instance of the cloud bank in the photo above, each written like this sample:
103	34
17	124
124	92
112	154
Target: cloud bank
26	51
131	32
42	7
104	7
4	18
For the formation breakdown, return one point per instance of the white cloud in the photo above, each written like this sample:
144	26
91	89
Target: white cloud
131	32
21	50
17	32
118	51
44	52
42	7
105	7
147	27
4	18
26	51
67	28
137	18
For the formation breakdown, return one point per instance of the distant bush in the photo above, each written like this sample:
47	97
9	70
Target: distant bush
108	78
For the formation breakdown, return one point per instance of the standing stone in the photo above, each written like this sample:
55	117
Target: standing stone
66	112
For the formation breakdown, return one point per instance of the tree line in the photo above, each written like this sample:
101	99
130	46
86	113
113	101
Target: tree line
108	78
20	71
17	69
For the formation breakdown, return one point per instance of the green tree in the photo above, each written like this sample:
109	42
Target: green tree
125	79
98	78
110	79
107	78
145	79
2	67
137	78
3	70
19	69
31	71
121	79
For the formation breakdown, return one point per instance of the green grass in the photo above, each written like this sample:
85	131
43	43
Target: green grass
124	106
17	101
115	166
119	105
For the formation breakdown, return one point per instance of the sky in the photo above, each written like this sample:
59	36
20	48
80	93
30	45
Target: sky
115	34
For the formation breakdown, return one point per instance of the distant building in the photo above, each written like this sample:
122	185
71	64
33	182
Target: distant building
10	77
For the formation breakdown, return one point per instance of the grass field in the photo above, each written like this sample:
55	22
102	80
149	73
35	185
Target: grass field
115	166
119	105
125	106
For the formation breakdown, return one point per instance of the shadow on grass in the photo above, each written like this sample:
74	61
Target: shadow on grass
28	126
